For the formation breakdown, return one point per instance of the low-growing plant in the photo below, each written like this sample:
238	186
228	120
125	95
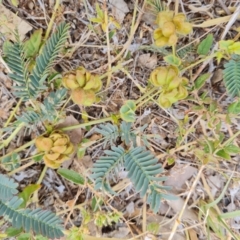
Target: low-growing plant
125	146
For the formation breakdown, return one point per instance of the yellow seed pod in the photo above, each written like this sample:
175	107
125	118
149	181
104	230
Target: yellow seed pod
50	163
172	73
162	42
185	28
98	84
168	29
173	84
182	92
182	26
43	144
163	17
55	135
159	39
179	18
61	141
90	83
157	33
69	149
158	76
172	95
172	40
163	101
59	148
69	81
83	97
81	78
52	156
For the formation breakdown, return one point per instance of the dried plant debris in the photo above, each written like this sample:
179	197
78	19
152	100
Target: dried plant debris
119	119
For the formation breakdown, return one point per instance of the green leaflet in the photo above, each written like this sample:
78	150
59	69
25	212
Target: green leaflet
201	81
71	176
39	221
127	111
173	60
142	169
31	84
205	46
231	76
234	108
31	46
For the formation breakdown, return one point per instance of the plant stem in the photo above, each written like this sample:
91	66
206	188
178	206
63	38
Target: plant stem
178	220
50	25
35	195
198	62
21	168
13	113
18	149
146	95
86	124
108	46
12	136
231	139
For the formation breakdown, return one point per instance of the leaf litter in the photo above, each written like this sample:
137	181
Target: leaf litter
57	192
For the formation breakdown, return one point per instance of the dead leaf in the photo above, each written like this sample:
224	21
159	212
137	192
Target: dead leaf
177	206
3	114
179	174
10	21
164	229
215	183
217	76
87	161
74	135
119	8
148	61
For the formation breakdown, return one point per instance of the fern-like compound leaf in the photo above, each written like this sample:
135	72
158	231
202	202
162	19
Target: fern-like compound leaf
39	221
142	166
48	110
105	165
231	76
46	59
109	132
126	134
8	188
13	56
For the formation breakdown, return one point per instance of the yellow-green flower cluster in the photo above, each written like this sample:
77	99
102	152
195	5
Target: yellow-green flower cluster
57	148
169	25
173	86
83	86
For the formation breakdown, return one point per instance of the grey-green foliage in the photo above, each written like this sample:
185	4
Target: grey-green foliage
158	5
11	162
111	133
184	51
39	221
8	188
142	167
47	110
231	76
30	84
